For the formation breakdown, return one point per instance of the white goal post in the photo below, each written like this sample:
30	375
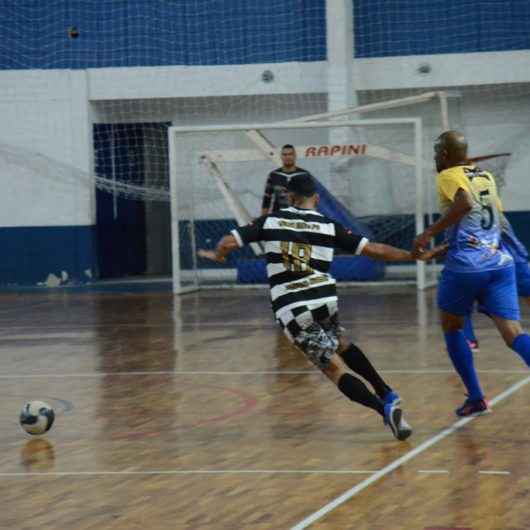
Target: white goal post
217	174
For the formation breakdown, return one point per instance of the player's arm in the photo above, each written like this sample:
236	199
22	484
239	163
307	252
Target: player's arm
456	190
361	246
382	252
225	246
267	196
238	238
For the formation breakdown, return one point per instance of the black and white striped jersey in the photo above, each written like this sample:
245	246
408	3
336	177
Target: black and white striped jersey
299	247
276	188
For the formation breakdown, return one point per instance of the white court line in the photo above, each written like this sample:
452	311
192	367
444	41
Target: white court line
347	495
195	472
441	372
222	323
169	373
229	472
236	373
50	336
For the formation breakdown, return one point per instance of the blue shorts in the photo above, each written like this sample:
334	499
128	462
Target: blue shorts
522	271
495	291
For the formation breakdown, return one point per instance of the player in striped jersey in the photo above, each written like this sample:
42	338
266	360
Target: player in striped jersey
299	245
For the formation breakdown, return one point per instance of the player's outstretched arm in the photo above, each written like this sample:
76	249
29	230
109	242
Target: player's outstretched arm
227	245
384	252
461	206
433	253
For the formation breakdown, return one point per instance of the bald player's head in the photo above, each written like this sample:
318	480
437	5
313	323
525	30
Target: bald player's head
450	149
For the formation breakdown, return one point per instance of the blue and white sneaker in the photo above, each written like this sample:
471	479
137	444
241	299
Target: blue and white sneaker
394	419
392	397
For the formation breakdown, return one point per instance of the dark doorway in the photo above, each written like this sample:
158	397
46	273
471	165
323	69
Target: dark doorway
134	236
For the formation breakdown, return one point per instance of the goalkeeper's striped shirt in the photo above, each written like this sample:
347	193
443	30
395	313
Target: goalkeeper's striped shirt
299	246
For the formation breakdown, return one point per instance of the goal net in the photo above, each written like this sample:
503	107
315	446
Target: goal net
372	177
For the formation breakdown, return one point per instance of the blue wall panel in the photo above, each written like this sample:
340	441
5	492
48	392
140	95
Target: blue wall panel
112	33
418	27
32	253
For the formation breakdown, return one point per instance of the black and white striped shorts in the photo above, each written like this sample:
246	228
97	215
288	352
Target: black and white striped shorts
315	330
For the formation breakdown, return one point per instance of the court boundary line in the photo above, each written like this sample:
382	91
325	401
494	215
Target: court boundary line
176	472
41	375
427	444
192	472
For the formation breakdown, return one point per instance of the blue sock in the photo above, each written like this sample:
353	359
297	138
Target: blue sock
469	332
462	359
521	345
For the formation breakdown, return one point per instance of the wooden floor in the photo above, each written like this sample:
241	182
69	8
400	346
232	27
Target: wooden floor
194	413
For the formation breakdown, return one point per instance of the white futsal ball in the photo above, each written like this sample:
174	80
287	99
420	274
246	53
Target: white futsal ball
36	417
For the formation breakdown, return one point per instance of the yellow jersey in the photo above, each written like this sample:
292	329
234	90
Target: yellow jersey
474	244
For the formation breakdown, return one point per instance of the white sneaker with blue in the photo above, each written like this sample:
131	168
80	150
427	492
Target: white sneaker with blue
394	419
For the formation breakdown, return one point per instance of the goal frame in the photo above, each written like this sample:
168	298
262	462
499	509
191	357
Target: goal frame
261	128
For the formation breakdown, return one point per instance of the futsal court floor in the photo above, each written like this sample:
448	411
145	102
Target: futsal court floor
195	413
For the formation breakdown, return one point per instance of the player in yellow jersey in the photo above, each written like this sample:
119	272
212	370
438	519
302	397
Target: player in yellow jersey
477	268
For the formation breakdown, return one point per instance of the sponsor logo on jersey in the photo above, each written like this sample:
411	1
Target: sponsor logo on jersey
298	225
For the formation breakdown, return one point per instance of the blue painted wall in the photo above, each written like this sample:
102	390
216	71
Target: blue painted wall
32	253
113	33
34	33
416	27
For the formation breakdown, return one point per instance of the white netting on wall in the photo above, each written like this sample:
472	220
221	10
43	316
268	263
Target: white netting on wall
130	136
494	119
232	53
111	33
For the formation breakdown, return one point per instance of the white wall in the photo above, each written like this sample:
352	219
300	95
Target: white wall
45	113
51	112
391	73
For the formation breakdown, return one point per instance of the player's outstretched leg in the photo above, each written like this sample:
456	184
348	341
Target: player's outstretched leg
321	344
357	361
462	358
357	391
319	339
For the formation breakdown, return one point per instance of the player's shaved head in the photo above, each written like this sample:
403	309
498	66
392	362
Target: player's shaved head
455	143
450	150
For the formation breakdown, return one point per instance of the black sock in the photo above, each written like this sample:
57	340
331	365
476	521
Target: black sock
357	361
357	391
